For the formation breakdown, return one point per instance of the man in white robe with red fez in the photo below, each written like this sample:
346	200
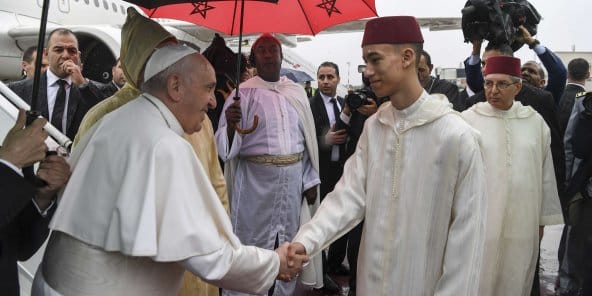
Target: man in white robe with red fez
140	209
273	172
416	177
522	193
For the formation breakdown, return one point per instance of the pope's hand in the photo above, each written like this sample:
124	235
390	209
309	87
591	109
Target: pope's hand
289	270
297	256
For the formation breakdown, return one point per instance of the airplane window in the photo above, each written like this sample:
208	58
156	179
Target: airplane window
105	4
122	9
86	1
114	7
97	3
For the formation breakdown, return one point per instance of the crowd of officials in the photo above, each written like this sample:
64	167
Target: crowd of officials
285	152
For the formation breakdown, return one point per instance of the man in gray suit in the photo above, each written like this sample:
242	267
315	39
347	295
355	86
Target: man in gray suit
64	94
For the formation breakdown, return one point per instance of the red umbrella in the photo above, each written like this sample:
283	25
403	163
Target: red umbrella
238	17
307	17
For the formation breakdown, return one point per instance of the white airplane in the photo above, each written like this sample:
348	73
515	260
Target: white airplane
97	24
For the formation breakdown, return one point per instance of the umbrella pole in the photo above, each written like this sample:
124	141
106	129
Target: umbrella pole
33	113
238	72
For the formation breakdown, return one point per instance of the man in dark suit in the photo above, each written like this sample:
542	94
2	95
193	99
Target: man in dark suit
326	107
578	71
435	85
108	89
26	209
64	94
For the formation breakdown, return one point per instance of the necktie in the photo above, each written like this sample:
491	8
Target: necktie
58	107
336	112
335	108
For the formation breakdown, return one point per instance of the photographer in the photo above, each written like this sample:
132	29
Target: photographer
575	270
532	73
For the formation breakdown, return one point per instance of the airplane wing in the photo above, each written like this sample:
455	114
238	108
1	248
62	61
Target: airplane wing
432	23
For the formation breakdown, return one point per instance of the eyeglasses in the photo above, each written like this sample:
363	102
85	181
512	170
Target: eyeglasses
501	85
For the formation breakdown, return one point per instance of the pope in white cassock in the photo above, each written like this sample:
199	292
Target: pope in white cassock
522	193
271	169
139	208
416	177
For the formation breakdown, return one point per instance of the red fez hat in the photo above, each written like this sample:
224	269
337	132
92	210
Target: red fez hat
503	65
392	30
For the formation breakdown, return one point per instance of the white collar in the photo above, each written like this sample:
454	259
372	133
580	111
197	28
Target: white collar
167	115
53	79
327	99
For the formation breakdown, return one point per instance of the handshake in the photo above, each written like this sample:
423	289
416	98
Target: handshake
292	259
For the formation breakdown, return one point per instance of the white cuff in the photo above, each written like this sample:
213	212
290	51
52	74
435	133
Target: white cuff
12	166
539	49
474	59
43	213
344	118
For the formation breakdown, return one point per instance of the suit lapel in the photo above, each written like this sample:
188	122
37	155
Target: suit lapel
321	112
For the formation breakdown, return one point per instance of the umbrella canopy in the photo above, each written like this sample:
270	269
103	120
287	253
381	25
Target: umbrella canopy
295	75
307	17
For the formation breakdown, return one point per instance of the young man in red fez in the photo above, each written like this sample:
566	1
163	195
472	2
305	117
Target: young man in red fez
417	178
522	193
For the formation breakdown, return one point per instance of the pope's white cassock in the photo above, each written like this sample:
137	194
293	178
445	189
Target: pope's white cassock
266	199
417	177
139	210
522	194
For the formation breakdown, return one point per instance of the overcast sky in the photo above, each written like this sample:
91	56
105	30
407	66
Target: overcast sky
565	24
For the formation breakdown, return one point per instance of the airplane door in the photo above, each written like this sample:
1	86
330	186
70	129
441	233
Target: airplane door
63	5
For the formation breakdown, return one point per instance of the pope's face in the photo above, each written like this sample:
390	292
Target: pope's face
384	68
197	93
500	90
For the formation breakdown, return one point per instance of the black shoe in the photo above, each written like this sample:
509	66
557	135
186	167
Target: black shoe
330	286
341	270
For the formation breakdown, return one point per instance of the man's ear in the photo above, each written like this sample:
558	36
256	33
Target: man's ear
408	55
174	88
542	83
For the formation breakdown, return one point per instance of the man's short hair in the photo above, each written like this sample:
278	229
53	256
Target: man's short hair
60	31
417	47
540	69
427	57
116	61
578	69
28	54
331	65
503	48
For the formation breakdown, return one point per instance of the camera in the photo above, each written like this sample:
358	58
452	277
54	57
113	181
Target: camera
359	98
498	21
